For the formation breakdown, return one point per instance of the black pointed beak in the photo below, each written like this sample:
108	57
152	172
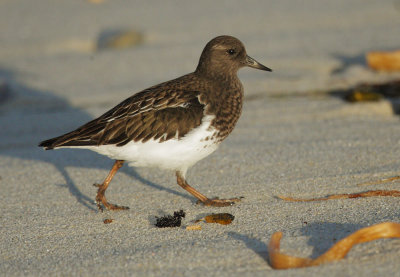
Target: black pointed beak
254	64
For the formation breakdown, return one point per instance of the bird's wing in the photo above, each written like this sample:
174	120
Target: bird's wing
150	114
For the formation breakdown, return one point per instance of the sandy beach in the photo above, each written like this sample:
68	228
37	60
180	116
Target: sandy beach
294	138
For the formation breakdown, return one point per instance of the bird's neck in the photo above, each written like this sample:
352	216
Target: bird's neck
219	76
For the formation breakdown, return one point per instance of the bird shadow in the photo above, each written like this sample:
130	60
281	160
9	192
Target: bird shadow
80	197
258	246
48	115
323	235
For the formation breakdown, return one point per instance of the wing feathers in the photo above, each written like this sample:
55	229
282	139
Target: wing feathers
157	113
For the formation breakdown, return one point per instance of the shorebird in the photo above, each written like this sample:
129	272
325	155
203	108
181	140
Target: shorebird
171	125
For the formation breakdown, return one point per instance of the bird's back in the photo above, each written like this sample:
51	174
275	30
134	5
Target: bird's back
161	112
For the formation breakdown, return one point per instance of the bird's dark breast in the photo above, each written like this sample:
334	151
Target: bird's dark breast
226	106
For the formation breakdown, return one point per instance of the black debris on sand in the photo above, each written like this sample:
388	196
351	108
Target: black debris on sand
169	220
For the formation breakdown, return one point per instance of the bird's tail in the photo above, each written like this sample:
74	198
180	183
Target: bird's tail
68	139
75	138
48	144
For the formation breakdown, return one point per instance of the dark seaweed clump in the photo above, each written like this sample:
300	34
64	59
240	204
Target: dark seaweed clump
170	220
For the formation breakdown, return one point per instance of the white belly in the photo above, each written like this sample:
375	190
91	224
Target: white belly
171	154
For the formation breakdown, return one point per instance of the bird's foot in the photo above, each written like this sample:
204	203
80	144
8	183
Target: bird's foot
101	200
215	202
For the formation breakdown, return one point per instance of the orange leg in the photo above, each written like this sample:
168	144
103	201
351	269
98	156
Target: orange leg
100	197
202	198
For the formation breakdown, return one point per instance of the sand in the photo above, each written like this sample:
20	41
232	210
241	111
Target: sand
288	141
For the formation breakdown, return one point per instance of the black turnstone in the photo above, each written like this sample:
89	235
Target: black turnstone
174	124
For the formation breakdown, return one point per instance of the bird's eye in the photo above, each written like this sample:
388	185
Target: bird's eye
231	51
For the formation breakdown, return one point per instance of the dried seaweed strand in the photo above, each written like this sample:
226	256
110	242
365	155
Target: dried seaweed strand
370	193
382	181
336	252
